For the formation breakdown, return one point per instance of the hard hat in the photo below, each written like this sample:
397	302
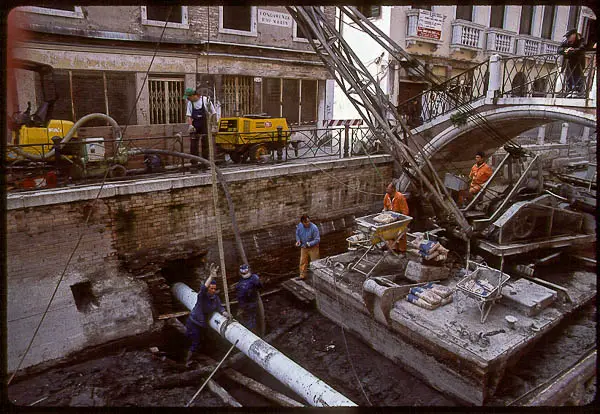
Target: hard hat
245	271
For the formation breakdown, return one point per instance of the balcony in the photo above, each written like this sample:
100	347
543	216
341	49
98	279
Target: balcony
528	46
466	36
412	16
500	41
549	47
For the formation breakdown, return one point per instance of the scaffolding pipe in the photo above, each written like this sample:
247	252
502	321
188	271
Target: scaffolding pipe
314	391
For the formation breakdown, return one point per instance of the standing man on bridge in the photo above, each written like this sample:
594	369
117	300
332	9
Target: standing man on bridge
573	50
308	239
208	302
395	201
197	111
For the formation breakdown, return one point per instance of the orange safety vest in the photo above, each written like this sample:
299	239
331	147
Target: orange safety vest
398	204
479	175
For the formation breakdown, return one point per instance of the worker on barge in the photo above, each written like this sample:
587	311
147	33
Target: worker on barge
395	201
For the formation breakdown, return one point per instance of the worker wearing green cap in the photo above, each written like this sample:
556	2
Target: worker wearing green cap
198	108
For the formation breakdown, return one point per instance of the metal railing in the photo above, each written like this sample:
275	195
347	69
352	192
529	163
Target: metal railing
547	76
466	87
79	165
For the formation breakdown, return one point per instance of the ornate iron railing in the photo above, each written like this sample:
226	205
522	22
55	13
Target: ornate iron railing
547	75
460	90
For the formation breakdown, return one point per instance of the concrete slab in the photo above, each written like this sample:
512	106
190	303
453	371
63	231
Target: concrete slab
418	272
528	297
447	347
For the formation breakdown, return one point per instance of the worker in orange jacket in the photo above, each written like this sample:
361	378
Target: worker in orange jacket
480	173
396	202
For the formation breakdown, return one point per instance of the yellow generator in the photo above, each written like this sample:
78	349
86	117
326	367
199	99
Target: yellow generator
251	136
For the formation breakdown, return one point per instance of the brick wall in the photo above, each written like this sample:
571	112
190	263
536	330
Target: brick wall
154	222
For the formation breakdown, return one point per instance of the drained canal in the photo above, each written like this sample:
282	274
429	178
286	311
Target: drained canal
130	373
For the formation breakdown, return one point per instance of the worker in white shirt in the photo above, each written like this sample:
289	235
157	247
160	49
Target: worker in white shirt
197	111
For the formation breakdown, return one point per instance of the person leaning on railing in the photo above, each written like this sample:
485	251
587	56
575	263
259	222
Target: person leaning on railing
573	50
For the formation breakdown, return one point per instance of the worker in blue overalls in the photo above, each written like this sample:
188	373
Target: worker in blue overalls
207	302
197	111
247	295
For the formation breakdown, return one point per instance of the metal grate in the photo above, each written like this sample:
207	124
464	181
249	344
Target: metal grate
237	97
166	103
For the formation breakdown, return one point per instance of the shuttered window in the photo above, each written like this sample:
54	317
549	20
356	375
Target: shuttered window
309	101
464	13
497	17
271	96
548	22
237	95
526	19
167	105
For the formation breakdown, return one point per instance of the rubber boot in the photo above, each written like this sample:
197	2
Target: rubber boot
188	358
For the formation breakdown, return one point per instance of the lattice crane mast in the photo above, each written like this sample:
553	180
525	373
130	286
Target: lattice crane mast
371	102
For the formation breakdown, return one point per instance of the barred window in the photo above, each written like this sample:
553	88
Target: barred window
167	105
237	95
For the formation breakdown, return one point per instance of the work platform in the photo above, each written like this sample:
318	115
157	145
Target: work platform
448	347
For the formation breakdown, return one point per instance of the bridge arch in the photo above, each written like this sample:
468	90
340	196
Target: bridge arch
458	144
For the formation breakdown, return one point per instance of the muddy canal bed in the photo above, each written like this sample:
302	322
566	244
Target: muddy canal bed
131	375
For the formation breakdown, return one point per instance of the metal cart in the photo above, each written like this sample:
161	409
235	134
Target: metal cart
376	233
486	299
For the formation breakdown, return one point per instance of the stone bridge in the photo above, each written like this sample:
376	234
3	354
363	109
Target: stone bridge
508	94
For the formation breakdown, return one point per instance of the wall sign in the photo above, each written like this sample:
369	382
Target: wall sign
429	24
274	18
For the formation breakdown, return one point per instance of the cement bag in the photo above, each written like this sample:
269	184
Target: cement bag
420	302
440	290
427	295
446	301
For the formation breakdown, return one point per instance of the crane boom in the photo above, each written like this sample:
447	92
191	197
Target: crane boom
373	105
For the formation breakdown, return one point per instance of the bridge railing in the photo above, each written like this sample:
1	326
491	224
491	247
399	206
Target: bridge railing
460	90
547	76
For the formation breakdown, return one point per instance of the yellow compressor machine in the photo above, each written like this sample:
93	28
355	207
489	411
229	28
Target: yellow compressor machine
251	136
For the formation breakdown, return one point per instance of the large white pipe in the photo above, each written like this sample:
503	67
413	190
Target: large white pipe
314	391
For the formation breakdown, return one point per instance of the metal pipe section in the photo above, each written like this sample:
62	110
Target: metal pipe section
314	391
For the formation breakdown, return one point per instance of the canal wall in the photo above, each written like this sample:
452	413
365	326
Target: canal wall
144	225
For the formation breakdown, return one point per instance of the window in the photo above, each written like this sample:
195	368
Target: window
83	92
370	11
166	103
548	22
526	19
308	101
300	35
237	95
464	13
239	20
88	96
290	100
497	17
421	7
280	97
573	17
63	11
157	16
589	32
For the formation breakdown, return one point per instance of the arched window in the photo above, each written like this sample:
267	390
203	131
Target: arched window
518	85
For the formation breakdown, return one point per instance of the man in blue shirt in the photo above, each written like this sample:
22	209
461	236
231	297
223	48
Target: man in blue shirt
307	238
247	296
207	303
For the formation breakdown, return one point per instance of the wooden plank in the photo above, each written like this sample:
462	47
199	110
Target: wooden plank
262	389
222	394
172	315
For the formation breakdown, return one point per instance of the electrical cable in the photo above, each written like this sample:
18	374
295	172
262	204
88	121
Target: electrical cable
91	209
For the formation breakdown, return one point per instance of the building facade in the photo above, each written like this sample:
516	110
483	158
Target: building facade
450	39
249	59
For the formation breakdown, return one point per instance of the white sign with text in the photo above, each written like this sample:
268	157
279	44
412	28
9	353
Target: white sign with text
429	24
274	18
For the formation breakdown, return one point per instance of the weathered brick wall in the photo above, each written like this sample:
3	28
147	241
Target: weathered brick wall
168	218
